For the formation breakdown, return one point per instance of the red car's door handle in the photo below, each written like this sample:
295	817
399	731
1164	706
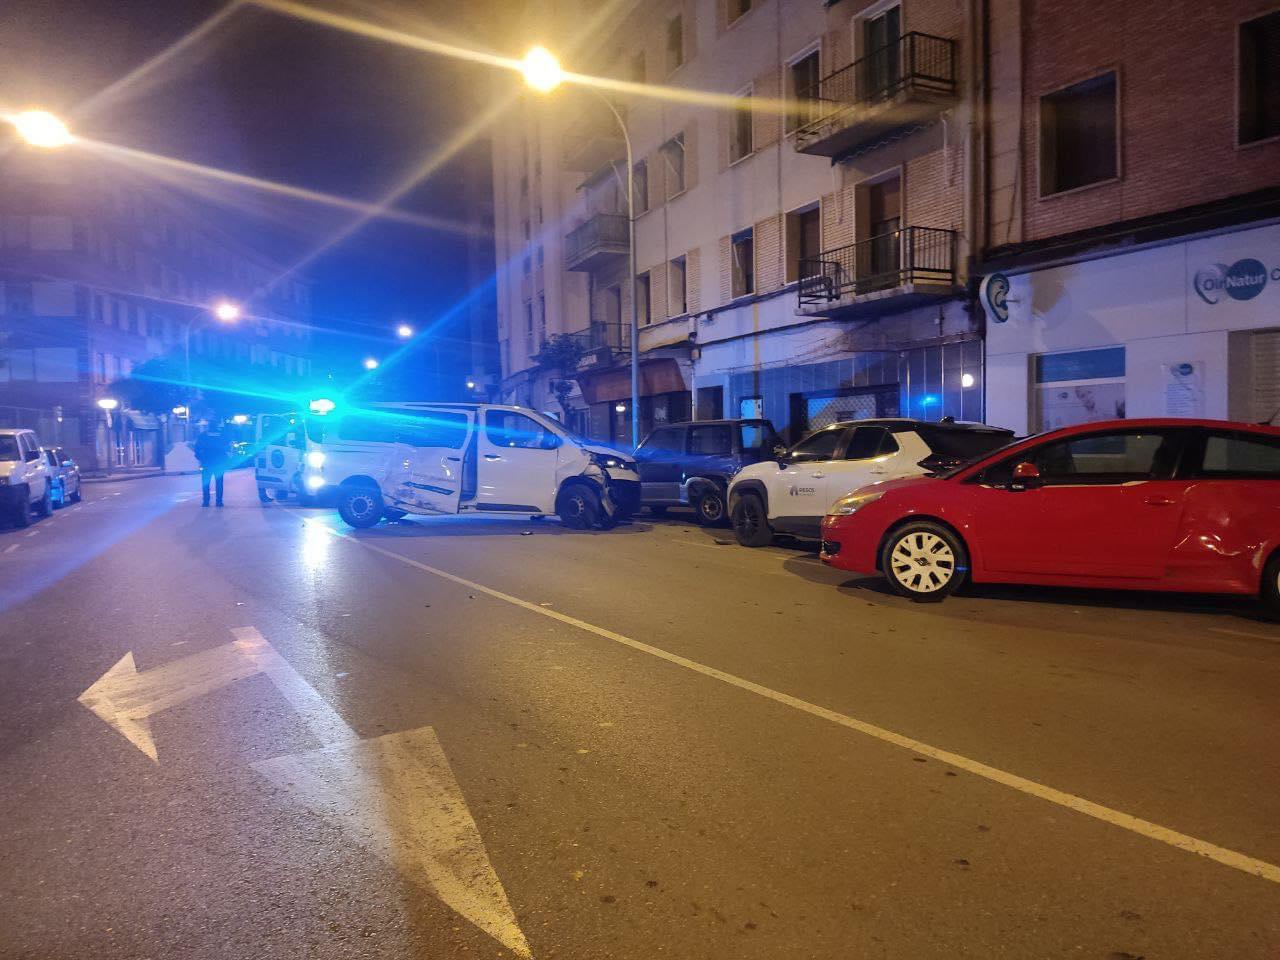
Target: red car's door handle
1159	502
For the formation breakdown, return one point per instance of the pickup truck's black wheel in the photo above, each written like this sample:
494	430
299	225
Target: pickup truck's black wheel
579	506
75	497
360	505
22	512
750	522
709	508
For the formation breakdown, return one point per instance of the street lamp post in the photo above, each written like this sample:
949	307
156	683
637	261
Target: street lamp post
224	311
542	72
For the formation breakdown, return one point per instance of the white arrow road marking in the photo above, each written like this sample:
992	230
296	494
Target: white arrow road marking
126	699
396	796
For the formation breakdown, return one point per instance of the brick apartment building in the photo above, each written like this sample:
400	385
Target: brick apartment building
1134	208
803	265
100	273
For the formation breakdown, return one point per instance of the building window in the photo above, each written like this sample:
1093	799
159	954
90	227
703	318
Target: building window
804	240
643	312
640	186
1078	135
637	67
677	292
1259	92
881	71
744	263
675	43
740	144
528	320
542	320
803	78
737	9
673	155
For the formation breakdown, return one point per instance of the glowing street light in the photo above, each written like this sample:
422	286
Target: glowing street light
371	363
541	70
108	403
40	128
240	419
226	311
180	411
471	384
404	331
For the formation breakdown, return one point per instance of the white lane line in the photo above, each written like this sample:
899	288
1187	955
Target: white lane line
33	533
1245	633
12	547
1153	831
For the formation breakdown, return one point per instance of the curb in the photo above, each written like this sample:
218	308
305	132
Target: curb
119	477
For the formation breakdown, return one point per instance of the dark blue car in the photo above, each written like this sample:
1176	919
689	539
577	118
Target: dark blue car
691	464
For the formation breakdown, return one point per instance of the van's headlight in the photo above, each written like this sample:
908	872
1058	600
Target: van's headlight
852	503
315	459
314	483
610	462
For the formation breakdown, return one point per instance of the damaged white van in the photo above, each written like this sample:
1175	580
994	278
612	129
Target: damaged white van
389	460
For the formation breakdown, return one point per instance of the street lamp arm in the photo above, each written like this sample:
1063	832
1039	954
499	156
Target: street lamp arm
631	268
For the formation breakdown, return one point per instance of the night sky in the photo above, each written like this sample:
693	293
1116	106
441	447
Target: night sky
285	100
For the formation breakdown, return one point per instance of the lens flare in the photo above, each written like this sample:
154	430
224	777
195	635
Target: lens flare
541	70
40	128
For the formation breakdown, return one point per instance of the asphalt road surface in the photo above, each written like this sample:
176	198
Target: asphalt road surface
253	733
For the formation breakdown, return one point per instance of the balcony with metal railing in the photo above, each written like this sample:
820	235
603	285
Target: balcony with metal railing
906	82
596	242
911	265
601	344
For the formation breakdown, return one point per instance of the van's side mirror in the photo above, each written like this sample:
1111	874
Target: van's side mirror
1026	476
32	455
550	441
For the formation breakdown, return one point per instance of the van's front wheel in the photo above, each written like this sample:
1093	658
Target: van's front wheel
579	507
360	506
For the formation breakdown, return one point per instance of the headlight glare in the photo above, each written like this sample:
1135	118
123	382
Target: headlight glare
852	503
315	459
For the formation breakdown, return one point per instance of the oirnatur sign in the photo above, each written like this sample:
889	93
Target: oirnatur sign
1242	280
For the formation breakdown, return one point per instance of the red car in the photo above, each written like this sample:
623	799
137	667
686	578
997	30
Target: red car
1180	505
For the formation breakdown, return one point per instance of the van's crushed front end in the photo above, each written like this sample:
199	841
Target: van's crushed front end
619	481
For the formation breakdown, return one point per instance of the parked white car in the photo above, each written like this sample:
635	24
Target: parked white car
25	484
792	494
388	460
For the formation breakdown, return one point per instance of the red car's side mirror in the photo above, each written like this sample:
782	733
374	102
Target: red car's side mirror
1025	476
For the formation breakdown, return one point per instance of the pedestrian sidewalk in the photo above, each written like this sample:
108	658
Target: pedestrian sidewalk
124	473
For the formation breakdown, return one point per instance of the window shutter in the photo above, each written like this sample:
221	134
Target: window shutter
766	122
658	293
768	251
693	279
726	269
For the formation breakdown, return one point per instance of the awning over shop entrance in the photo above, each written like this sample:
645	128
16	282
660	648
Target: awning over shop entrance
656	377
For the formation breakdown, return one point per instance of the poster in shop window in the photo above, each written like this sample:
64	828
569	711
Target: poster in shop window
1063	404
1184	389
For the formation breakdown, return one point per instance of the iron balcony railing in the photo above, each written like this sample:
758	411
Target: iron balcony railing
603	335
603	231
916	62
907	256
